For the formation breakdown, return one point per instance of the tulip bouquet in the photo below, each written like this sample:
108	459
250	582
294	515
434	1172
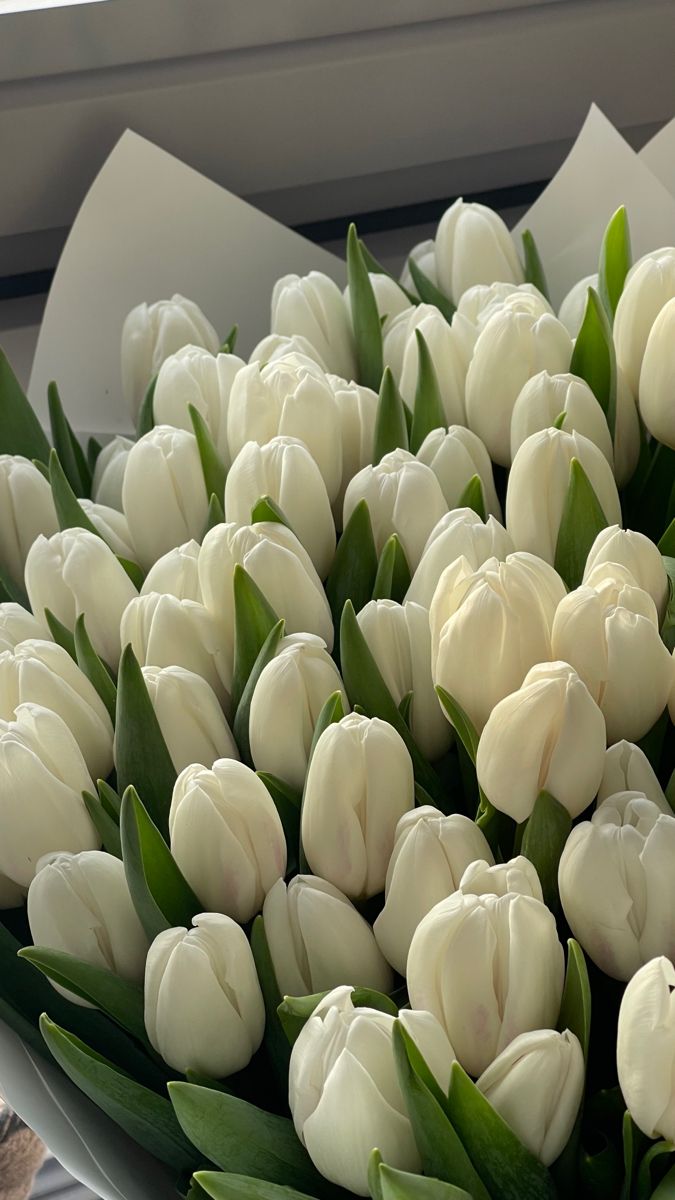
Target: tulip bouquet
337	842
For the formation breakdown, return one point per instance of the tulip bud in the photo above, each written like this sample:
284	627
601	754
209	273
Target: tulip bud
357	410
164	631
403	497
11	895
190	717
75	572
28	511
536	1085
489	627
657	378
313	306
17	624
548	736
176	573
390	299
459	534
109	471
616	884
627	435
40	672
431	853
278	564
573	308
360	781
80	904
538	486
608	630
42	777
276	346
473	245
164	495
447	354
638	554
344	1092
399	640
226	837
627	769
516	875
645	1048
649	286
194	376
480	302
284	470
305	961
424	256
545	397
455	455
151	333
287	700
467	966
112	526
512	347
204	1010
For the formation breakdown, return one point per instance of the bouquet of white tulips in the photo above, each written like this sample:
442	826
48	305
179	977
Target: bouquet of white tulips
337	842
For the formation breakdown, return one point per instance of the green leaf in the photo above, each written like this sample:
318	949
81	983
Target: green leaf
442	1153
213	467
428	410
667	542
295	1011
70	453
266	509
402	1185
461	722
61	635
628	1133
118	998
287	803
141	755
275	1042
133	571
594	357
374	1182
254	619
240	725
547	829
92	666
560	420
216	514
376	268
161	896
20	430
666	1188
575	1009
507	1169
146	416
9	590
668	626
94	448
615	261
406	709
365	317
230	341
69	511
428	292
644	1176
332	711
224	1186
391	428
145	1116
111	802
393	573
582	520
107	829
473	497
534	268
354	568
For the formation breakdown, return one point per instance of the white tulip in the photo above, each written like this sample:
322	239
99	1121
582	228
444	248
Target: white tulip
636	552
275	346
399	640
17	624
287	700
545	397
40	672
80	904
480	302
473	245
284	470
490	626
357	410
645	1048
547	736
608	630
447	354
455	455
191	720
109	471
657	378
627	436
226	837
313	306
516	875
75	572
389	297
164	631
359	783
616	884
176	573
627	769
511	348
27	511
196	376
112	526
42	777
573	306
538	484
163	494
344	1092
403	497
305	961
471	964
649	286
151	333
204	1010
431	853
536	1085
11	895
424	256
459	534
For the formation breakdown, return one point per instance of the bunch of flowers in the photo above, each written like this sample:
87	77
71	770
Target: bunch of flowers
337	848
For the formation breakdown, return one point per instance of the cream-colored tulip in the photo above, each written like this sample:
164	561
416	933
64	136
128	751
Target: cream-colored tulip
163	493
645	1048
151	332
403	497
638	554
192	722
455	456
313	306
27	512
459	534
545	398
194	376
164	631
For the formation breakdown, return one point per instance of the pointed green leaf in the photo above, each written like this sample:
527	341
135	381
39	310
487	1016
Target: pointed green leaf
275	1042
161	896
354	568
376	268
594	357
534	267
240	725
402	1185
109	799
295	1011
405	709
107	829
70	453
668	626
69	511
267	509
461	722
141	754
20	430
546	832
9	590
393	573
560	420
254	619
644	1187
428	411
582	520
615	261
213	467
118	998
230	341
473	497
667	542
391	428
94	448
365	316
575	1009
133	571
61	635
428	292
224	1186
216	514
146	416
374	1183
287	803
92	666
